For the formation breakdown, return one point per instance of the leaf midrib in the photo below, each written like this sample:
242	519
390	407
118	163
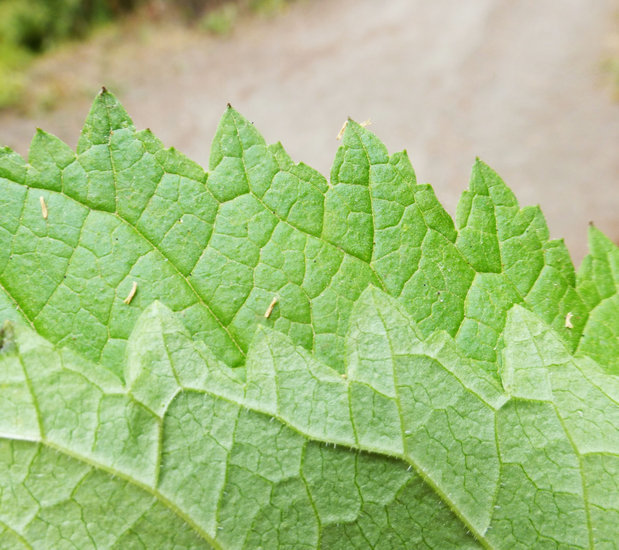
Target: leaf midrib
425	476
155	248
308	438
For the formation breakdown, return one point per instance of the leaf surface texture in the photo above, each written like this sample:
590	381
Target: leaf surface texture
416	383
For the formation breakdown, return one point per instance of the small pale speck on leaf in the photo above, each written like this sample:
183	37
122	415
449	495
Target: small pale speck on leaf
269	310
43	207
134	289
568	320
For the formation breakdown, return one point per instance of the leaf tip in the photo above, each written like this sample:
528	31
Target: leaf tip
157	308
479	165
599	241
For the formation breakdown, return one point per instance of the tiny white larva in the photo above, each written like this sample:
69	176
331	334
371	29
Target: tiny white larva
269	310
43	207
134	289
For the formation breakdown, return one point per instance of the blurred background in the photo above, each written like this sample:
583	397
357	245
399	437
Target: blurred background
529	86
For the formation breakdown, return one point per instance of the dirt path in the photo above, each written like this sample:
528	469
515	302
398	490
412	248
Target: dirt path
515	83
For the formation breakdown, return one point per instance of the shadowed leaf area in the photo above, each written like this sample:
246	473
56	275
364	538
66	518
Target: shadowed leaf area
255	357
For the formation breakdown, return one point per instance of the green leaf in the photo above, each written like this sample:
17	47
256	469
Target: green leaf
416	444
217	247
515	263
598	284
254	357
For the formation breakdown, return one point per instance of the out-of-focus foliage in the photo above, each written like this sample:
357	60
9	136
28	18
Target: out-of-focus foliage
610	64
221	19
29	28
38	24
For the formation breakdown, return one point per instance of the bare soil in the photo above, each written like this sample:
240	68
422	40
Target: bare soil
519	84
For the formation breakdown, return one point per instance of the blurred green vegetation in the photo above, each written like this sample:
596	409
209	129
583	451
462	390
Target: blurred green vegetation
220	18
30	28
610	65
